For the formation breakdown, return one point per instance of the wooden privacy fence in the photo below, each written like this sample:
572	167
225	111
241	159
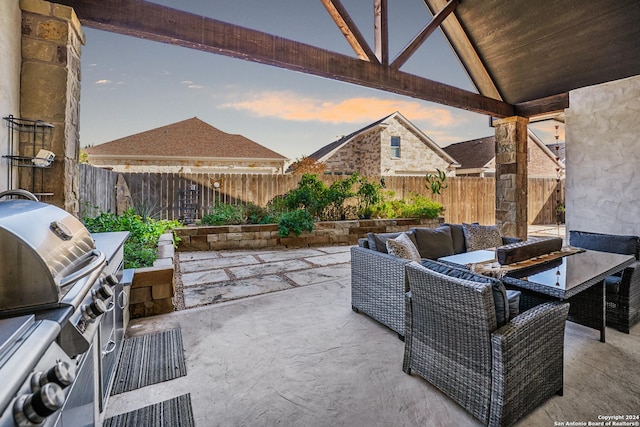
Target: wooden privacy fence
466	199
97	192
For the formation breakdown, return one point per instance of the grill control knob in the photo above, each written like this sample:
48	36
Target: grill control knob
104	292
62	374
30	409
91	311
111	279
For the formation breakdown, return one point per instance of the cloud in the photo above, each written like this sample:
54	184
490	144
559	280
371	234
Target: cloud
191	85
104	82
290	106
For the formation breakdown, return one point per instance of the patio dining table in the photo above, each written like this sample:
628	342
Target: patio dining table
577	278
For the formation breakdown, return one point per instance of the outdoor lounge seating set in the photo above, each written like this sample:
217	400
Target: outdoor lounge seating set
464	332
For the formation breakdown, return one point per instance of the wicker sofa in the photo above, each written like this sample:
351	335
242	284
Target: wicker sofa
378	280
622	290
498	374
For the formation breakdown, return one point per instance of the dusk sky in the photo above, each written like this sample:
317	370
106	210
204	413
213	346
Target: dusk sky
130	85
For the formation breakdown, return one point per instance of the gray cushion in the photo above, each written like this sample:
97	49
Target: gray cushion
618	244
500	300
433	243
479	237
514	303
378	241
457	236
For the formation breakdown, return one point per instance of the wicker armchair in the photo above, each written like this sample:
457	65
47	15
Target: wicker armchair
452	340
378	286
622	290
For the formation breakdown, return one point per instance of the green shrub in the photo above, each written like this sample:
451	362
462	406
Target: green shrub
296	221
140	248
416	206
310	195
224	214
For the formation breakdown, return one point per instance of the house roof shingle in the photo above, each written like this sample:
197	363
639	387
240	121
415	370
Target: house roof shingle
188	138
473	154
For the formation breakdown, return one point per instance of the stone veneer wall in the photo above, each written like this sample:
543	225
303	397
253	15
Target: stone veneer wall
416	158
370	153
50	91
602	158
263	236
153	288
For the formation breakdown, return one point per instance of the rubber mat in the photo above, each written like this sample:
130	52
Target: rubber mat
149	359
170	413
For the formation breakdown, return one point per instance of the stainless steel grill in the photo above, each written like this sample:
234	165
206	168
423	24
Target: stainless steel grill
54	279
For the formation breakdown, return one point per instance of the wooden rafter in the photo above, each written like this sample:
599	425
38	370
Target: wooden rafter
151	21
381	30
424	34
464	49
550	104
346	25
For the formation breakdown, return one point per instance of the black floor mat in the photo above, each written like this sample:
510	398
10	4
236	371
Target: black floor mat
149	359
170	413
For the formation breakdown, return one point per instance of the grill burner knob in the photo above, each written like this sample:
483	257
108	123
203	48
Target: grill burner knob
62	374
30	409
104	292
111	279
91	311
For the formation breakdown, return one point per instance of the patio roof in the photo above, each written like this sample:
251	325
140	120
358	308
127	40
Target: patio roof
524	57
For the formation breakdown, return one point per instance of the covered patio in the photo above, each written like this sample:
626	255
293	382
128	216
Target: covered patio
302	357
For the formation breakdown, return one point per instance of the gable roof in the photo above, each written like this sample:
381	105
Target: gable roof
326	151
477	153
188	138
473	154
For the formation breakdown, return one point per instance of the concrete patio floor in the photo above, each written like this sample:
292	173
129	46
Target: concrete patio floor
302	357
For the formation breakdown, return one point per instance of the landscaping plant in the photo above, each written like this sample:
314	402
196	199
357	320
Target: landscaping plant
140	248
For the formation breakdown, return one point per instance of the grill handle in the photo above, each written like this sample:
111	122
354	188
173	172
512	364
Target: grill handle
85	271
19	192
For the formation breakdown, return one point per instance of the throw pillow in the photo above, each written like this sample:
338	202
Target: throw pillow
479	237
433	243
378	241
403	247
500	300
457	235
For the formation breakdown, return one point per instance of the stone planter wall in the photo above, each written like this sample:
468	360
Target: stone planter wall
153	288
328	233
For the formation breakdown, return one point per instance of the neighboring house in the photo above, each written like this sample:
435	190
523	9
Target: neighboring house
188	146
392	146
478	158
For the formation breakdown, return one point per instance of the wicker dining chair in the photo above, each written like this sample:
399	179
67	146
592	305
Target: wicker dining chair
452	340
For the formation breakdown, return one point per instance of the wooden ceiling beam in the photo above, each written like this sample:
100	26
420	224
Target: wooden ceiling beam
424	34
350	30
466	52
551	104
151	21
381	30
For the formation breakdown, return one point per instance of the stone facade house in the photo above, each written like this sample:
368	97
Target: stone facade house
392	146
478	158
189	146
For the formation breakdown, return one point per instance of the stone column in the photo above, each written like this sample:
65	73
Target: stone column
50	91
511	176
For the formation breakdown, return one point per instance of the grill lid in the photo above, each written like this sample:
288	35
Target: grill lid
44	250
